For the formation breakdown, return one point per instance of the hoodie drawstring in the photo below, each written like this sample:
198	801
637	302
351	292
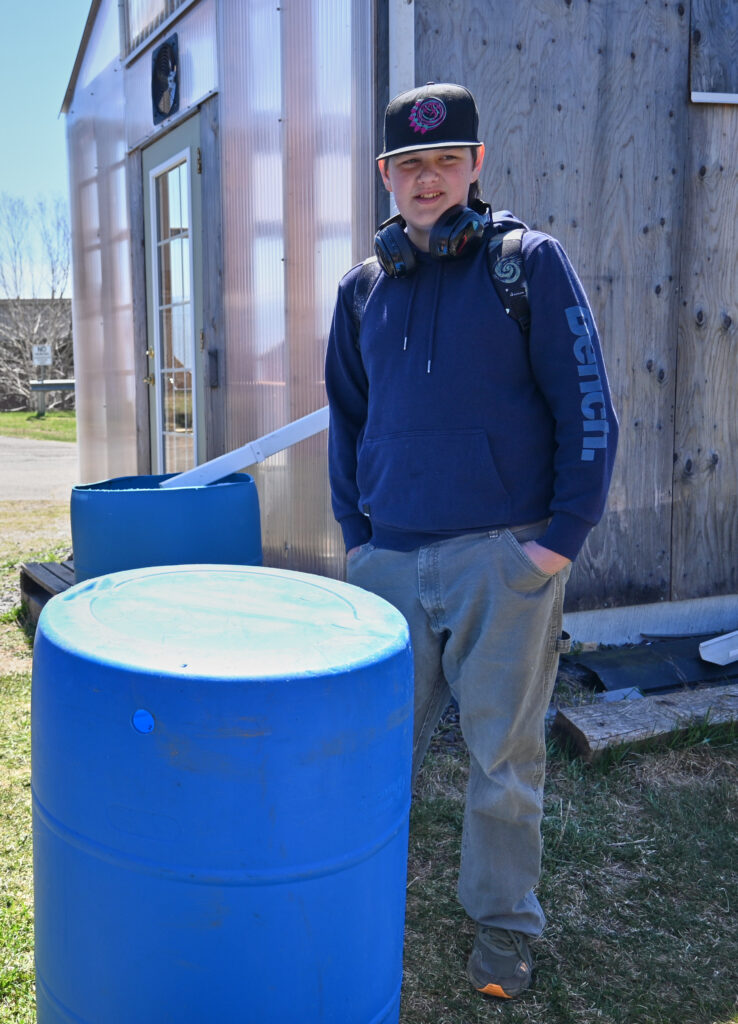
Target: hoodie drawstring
406	328
434	315
432	332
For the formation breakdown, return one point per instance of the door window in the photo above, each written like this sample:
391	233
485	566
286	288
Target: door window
174	317
173	306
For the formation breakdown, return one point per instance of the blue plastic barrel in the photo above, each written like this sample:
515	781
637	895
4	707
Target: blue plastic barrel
130	522
221	787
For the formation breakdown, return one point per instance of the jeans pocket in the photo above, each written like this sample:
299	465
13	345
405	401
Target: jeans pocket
355	552
525	557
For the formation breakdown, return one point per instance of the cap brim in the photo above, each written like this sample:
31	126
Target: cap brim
430	145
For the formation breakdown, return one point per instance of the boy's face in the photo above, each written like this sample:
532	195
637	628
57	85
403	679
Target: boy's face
427	182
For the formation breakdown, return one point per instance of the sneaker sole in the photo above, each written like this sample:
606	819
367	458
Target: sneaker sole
494	990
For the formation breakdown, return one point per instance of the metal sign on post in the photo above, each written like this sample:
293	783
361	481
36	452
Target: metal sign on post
42	358
42	355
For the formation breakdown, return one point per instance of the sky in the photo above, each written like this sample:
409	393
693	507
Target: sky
39	40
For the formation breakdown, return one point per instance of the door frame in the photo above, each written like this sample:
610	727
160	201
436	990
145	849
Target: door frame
179	146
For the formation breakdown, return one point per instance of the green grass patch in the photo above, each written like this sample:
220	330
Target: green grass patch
640	885
55	425
16	875
29	532
15	615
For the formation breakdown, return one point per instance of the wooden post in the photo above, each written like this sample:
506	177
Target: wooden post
41	410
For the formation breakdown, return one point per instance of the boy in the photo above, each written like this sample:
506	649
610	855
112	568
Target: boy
469	459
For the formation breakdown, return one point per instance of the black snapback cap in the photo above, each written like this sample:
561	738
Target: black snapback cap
435	115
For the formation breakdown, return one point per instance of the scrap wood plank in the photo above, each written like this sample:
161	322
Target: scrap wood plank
594	728
53	577
40	581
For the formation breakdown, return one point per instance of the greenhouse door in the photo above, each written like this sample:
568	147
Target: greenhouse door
172	211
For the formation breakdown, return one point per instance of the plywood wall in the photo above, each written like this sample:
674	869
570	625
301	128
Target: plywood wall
705	534
591	136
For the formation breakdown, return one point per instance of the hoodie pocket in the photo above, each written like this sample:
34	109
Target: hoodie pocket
432	481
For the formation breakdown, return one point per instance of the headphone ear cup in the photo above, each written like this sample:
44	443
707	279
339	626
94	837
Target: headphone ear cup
393	250
457	232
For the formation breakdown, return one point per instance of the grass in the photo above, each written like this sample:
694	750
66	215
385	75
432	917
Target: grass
16	878
29	531
56	425
640	873
640	884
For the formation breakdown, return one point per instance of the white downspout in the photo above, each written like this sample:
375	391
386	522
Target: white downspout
401	46
401	53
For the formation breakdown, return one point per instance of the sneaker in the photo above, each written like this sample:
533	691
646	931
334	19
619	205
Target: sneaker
500	963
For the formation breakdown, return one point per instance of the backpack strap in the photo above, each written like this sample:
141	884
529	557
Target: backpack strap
365	281
507	270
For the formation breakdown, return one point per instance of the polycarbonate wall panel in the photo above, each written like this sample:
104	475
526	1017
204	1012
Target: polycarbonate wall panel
101	306
296	122
198	74
145	15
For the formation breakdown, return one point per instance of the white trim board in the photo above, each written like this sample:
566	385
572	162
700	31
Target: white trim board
714	97
401	46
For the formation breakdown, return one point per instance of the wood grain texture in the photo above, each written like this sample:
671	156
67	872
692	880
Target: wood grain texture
583	107
706	436
595	728
40	581
713	60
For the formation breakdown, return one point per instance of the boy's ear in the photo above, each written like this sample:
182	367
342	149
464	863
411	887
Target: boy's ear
383	169
478	161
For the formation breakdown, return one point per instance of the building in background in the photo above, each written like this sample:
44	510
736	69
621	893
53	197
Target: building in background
215	205
221	156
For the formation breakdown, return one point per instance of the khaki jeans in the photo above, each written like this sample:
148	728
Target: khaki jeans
485	625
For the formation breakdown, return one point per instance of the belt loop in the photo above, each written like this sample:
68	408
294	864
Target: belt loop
563	644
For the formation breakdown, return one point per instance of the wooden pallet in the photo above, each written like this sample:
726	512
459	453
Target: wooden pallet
40	581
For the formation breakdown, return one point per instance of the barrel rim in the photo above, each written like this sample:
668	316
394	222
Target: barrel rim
114	650
104	486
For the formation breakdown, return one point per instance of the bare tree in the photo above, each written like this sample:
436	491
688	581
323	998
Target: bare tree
53	229
34	276
15	220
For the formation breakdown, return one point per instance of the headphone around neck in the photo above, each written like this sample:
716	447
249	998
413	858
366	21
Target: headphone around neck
457	232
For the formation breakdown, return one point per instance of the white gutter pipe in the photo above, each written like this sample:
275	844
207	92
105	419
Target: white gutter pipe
253	452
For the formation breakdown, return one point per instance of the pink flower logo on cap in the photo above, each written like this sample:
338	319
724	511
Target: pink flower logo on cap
427	114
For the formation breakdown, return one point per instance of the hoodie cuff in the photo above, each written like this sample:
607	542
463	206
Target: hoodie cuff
565	535
357	530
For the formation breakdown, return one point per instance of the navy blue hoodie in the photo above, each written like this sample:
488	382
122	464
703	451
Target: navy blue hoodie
445	419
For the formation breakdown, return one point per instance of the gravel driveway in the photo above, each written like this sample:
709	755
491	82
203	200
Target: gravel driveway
37	470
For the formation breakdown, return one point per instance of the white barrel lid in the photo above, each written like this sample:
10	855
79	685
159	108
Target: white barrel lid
224	622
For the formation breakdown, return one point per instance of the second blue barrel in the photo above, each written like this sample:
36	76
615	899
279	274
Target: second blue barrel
221	786
130	522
